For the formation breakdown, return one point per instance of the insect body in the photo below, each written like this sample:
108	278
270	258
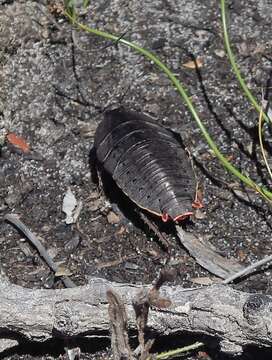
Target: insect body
147	162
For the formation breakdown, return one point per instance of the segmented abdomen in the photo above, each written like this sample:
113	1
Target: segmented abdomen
146	161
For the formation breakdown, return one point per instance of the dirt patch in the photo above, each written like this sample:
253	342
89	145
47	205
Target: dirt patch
54	84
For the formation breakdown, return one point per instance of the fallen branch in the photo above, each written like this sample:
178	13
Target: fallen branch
233	318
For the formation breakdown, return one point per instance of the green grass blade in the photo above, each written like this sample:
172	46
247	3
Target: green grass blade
235	68
174	353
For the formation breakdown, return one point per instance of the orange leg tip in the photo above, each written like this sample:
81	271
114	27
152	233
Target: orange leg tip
197	204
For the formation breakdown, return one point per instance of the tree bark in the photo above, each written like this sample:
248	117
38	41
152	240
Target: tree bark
235	318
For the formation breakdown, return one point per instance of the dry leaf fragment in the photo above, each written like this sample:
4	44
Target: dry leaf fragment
220	53
18	142
241	255
194	64
55	8
243	195
63	271
71	207
113	218
121	231
87	130
249	148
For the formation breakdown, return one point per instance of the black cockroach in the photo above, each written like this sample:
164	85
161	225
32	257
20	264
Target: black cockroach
147	163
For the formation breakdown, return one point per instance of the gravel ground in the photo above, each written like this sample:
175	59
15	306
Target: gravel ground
54	85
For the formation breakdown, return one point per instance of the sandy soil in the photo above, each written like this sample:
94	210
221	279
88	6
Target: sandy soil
54	85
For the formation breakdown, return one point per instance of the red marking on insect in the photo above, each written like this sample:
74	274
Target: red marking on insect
165	217
183	216
197	204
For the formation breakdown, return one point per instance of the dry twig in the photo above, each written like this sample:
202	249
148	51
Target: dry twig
14	220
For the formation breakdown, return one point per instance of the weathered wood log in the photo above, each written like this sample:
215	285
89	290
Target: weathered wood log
235	318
